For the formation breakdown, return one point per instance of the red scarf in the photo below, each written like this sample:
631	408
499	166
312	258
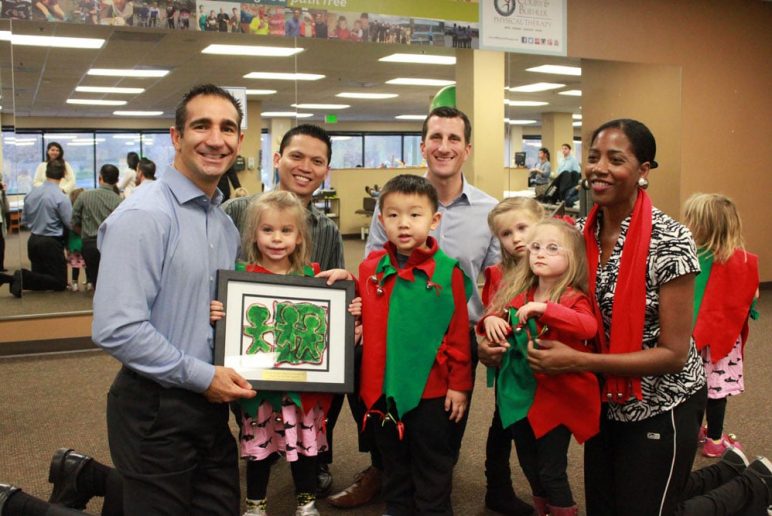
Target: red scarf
628	309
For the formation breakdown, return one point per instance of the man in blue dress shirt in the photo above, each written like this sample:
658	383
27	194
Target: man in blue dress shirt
167	413
47	212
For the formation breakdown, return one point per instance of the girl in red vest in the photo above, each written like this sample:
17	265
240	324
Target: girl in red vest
511	221
276	241
542	411
725	292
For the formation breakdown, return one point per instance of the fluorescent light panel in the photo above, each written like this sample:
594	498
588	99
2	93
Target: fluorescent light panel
415	81
577	124
419	59
96	102
251	50
261	92
5	35
125	136
537	86
556	69
106	89
366	96
410	117
285	114
56	41
138	113
524	103
284	76
519	122
571	93
576	116
127	72
321	106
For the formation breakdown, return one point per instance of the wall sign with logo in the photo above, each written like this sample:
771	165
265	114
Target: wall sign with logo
527	26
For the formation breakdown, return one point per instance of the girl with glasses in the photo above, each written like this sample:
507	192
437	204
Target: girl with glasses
546	291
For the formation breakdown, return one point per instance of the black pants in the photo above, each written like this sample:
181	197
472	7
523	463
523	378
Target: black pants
714	416
544	462
498	447
460	428
366	434
418	470
49	268
173	449
91	256
641	468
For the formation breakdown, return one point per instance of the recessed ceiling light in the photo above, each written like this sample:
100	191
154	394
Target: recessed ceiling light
321	106
366	96
127	72
251	50
572	93
408	81
284	76
261	92
577	124
55	136
285	114
576	116
138	113
56	41
104	89
519	122
537	86
419	59
410	117
556	69
524	103
97	102
340	138
5	35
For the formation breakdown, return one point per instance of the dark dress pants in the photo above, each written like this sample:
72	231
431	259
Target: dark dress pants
173	449
91	257
49	268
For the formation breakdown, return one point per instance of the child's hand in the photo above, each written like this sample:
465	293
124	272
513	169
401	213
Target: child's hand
455	403
496	329
529	310
216	311
334	275
355	308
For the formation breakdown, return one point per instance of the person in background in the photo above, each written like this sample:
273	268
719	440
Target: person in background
55	151
231	177
47	213
88	213
145	172
74	251
127	181
569	162
540	173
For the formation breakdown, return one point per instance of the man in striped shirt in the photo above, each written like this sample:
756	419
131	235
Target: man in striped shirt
90	210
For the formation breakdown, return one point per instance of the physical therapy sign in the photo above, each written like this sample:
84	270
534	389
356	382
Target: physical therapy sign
527	26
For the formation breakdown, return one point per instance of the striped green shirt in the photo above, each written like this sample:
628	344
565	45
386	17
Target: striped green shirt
92	208
326	242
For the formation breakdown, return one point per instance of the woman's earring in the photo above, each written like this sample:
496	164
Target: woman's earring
643	183
585	184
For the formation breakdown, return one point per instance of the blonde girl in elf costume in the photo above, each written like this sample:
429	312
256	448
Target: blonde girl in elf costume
416	365
511	221
541	412
724	297
276	241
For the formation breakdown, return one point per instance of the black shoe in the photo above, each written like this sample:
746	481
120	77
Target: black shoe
762	468
323	480
5	278
15	286
6	491
507	503
66	465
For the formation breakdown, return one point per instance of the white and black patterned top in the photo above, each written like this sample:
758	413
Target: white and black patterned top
672	254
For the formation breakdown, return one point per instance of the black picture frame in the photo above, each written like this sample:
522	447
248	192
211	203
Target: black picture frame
272	328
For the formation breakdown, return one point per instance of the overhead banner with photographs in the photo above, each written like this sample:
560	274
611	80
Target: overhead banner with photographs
526	26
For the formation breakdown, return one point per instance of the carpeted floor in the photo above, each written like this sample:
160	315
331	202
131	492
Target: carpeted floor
59	400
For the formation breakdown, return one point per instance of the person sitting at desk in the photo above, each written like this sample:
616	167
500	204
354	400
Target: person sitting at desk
540	172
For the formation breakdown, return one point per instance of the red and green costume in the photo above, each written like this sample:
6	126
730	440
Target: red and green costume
415	328
724	297
306	400
569	399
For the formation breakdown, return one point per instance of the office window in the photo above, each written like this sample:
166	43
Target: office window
383	151
347	151
21	156
531	148
158	148
412	150
267	175
111	148
79	153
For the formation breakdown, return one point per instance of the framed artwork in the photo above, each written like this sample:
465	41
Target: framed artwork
286	333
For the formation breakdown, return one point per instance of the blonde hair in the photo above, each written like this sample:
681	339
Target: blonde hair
715	224
522	278
526	204
240	192
284	202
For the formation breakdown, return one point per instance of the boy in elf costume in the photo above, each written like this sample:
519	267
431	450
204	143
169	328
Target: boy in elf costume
416	367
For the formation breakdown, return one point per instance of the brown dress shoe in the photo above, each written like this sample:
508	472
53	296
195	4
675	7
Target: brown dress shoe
366	486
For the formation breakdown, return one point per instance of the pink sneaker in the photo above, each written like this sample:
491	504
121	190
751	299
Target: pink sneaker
702	435
714	450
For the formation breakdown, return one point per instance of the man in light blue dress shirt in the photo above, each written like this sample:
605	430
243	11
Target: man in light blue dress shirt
167	412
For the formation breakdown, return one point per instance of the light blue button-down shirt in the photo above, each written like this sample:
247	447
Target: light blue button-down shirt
161	249
462	234
46	210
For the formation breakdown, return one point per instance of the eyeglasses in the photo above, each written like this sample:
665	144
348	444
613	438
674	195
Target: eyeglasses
551	249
